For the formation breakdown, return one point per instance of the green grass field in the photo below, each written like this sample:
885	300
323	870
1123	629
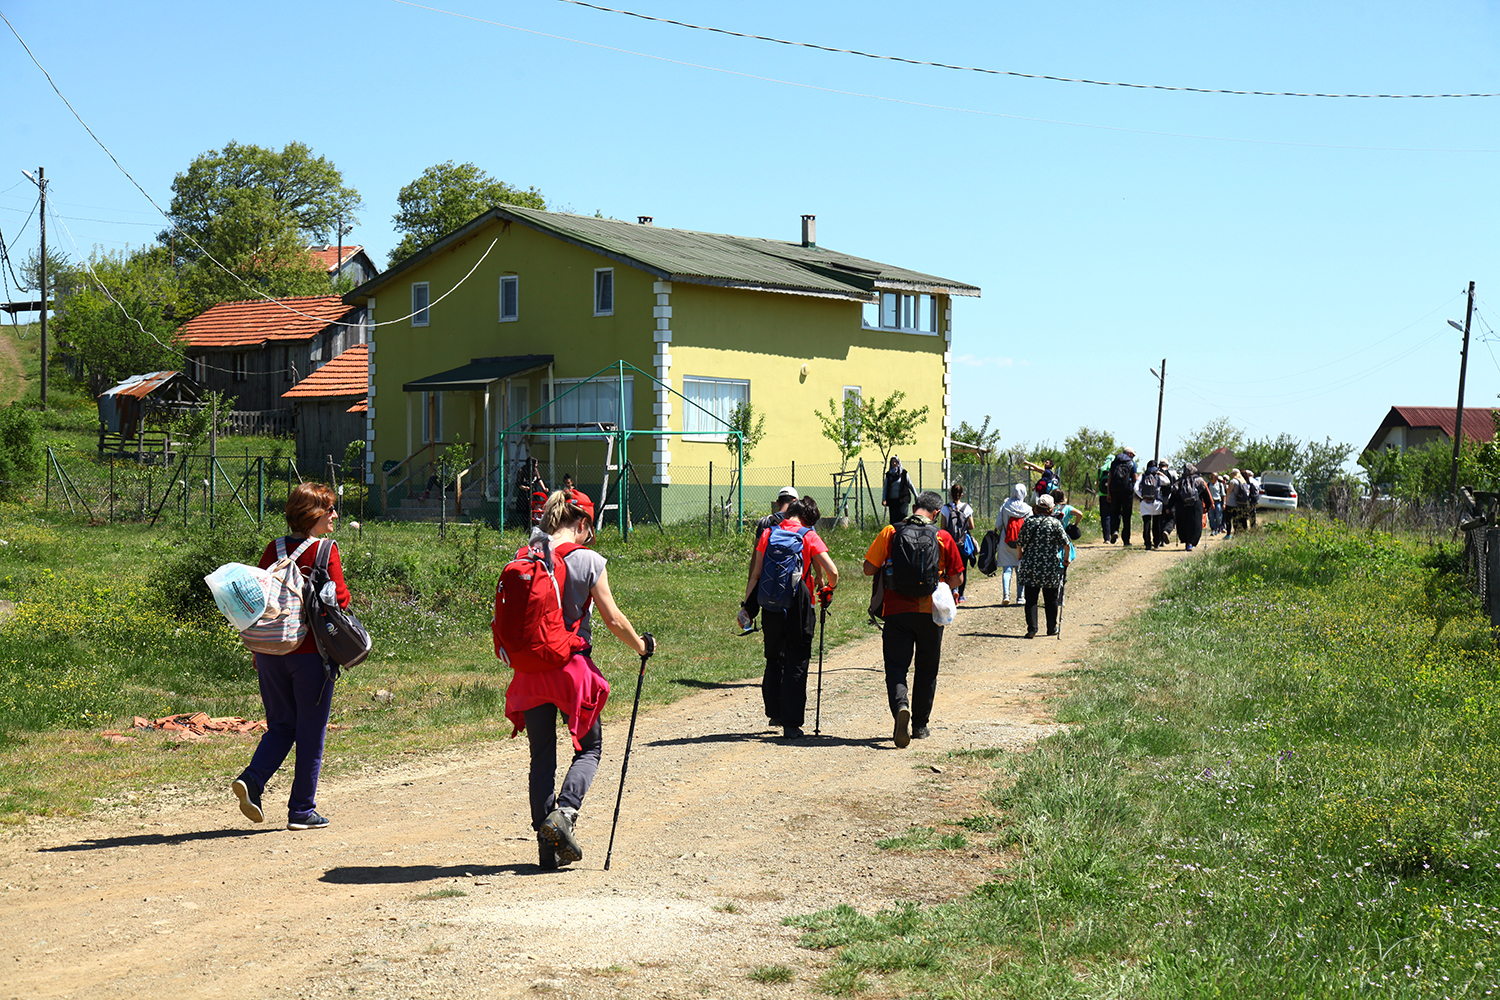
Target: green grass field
113	621
1280	780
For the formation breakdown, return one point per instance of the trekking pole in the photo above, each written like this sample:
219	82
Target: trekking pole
650	641
818	707
1062	592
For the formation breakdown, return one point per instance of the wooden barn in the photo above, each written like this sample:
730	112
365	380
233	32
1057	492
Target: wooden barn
124	410
330	411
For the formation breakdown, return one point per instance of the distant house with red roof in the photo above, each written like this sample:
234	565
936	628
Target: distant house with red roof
1408	427
255	350
330	409
348	261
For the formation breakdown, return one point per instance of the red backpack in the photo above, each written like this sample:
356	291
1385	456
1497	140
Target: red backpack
1013	531
528	624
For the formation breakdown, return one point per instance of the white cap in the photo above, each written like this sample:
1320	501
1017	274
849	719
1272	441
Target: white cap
788	493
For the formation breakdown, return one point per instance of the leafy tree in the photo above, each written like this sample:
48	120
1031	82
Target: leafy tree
888	426
254	210
1283	453
842	426
1217	433
446	196
118	320
61	274
981	436
752	429
20	450
1322	462
1083	453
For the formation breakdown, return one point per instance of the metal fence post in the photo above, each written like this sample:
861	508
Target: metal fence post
47	468
111	489
260	489
710	498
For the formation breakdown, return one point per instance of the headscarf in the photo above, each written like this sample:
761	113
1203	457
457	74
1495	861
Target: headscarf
1015	507
894	467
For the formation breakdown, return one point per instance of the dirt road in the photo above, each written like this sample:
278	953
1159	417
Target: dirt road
725	829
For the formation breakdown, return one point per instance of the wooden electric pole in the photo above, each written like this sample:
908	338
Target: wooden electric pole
1161	394
40	180
1458	420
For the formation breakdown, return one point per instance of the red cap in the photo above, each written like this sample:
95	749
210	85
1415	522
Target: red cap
577	499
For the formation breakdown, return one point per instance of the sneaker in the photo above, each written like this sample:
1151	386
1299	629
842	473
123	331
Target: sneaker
1190	548
1052	631
312	821
1005	602
546	856
902	735
920	733
557	830
792	733
249	796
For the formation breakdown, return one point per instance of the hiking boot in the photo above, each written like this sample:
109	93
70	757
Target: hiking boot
1030	634
921	733
902	735
312	821
249	795
557	830
546	857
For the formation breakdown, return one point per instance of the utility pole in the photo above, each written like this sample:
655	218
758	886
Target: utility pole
1161	394
40	180
1463	368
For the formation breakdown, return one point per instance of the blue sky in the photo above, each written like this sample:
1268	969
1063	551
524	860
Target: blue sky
1293	259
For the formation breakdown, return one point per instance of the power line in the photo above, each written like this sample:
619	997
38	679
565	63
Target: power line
1009	72
189	236
931	106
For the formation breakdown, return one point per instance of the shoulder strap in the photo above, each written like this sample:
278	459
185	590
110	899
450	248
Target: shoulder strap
321	560
281	548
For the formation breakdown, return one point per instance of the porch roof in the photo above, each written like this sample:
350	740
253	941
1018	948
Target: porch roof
479	374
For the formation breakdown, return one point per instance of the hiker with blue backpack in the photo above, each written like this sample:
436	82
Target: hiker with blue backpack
790	570
543	628
910	560
296	686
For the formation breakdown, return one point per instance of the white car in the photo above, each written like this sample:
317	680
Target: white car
1277	492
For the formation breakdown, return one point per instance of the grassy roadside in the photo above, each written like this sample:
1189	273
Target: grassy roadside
1279	780
111	621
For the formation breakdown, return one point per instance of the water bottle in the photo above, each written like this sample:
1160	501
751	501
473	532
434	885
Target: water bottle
744	619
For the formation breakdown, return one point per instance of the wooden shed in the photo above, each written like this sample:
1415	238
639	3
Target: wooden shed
125	408
330	405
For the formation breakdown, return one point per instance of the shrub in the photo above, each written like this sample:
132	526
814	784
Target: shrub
20	452
193	553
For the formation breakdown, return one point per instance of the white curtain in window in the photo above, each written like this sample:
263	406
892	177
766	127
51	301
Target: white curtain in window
717	396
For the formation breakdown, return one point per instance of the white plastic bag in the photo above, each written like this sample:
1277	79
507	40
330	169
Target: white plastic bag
944	608
240	592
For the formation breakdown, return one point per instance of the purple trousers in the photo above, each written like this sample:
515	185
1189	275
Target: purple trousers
297	696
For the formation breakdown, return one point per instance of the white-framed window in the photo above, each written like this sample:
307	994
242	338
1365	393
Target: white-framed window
852	394
197	369
241	366
591	402
419	302
604	291
719	396
900	311
510	298
432	417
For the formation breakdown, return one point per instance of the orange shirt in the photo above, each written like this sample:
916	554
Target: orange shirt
950	563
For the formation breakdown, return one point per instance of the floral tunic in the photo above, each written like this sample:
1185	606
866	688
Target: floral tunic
1042	538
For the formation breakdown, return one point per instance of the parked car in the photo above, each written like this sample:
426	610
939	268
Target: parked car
1277	491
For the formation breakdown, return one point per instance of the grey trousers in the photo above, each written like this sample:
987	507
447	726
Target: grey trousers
541	733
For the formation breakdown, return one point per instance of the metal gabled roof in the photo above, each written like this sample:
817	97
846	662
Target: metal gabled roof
704	258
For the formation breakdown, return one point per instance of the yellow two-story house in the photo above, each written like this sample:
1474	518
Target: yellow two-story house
470	338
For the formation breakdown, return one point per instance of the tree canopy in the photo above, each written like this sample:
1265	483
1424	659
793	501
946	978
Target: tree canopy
841	425
118	319
446	196
254	211
981	436
888	426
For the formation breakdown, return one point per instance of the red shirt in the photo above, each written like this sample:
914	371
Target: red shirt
306	560
950	563
811	546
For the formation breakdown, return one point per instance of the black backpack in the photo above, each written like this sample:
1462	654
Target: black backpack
1121	481
914	562
989	552
955	523
1149	486
338	635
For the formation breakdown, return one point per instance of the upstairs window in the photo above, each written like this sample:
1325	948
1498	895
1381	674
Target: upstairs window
510	298
419	302
604	291
900	311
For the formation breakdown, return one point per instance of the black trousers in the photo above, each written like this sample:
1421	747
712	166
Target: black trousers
912	633
1122	518
898	511
1049	598
783	689
1151	530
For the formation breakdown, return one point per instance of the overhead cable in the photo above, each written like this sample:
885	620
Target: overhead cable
937	107
1010	72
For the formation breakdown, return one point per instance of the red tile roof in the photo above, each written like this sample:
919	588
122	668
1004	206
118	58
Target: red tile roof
328	257
1479	425
346	375
360	407
257	321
